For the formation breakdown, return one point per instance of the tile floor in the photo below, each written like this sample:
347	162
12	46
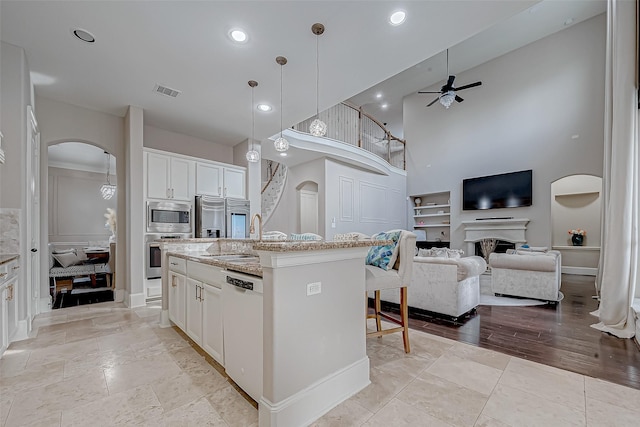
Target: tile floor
104	364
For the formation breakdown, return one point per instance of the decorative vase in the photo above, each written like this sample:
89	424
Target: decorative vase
577	239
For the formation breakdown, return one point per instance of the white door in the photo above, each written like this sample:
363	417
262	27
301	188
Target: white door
194	311
180	171
32	267
158	176
208	179
308	211
234	183
212	322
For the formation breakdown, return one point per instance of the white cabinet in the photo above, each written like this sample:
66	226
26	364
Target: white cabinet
219	181
177	299
204	308
234	183
8	306
168	177
209	179
194	311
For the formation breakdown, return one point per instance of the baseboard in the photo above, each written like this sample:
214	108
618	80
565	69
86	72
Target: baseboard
44	304
119	295
21	332
316	400
582	271
135	300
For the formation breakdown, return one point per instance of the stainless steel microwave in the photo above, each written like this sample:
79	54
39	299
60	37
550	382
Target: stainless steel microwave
168	217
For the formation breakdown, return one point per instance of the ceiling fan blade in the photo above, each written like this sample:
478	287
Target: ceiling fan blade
429	91
459	99
433	102
450	81
468	86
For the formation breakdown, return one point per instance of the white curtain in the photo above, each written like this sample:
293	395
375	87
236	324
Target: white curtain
618	270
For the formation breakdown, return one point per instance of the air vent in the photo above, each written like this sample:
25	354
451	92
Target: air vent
163	90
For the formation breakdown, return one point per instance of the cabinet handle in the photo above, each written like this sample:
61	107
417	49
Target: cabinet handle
197	287
2	275
219	190
201	289
173	263
225	191
10	296
173	281
15	267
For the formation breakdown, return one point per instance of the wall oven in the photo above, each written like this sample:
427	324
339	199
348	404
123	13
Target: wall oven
168	217
153	253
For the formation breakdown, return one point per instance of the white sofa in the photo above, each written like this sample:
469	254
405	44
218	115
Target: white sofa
449	286
525	274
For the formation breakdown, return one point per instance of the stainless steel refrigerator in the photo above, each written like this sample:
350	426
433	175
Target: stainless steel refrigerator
209	216
218	217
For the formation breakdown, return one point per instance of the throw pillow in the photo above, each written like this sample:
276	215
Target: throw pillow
384	256
454	253
433	253
67	259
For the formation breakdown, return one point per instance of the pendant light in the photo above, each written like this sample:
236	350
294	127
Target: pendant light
281	144
252	155
108	189
317	127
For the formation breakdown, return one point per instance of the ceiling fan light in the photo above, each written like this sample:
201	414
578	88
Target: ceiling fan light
318	128
447	99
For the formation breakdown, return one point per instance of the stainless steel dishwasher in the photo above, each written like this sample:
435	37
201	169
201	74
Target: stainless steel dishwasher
242	297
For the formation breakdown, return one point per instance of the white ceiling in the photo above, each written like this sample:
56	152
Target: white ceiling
184	45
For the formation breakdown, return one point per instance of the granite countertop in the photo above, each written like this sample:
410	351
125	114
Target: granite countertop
248	267
5	258
314	245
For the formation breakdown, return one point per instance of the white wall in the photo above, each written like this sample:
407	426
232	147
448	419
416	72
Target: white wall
76	206
165	140
539	107
363	201
576	203
61	122
358	200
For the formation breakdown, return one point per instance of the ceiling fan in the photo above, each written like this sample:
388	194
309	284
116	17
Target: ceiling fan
448	92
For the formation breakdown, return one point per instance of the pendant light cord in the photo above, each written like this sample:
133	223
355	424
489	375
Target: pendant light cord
317	77
253	120
280	100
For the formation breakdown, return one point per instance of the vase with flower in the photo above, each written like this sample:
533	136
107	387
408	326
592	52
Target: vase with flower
577	236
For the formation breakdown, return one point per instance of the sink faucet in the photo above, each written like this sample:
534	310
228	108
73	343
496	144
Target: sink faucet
252	229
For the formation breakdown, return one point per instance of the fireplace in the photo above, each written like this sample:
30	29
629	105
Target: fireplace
510	230
501	247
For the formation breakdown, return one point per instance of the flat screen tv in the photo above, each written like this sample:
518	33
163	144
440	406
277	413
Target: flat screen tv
506	190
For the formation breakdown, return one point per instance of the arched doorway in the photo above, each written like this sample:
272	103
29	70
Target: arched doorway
308	207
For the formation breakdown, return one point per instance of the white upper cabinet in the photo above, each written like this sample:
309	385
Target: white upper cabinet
168	177
209	179
234	183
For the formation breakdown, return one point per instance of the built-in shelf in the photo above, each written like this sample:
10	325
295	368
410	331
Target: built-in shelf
576	248
583	193
431	206
432	215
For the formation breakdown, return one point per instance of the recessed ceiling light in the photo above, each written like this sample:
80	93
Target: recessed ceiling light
378	95
238	35
397	17
283	154
83	35
384	106
264	107
569	21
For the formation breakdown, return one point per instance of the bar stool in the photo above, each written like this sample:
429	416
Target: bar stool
378	279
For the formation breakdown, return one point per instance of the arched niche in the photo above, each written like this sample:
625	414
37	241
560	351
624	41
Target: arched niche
576	203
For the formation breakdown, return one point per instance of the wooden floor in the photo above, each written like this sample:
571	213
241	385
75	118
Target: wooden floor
555	336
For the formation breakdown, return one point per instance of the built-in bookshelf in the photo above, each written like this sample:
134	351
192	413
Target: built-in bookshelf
432	213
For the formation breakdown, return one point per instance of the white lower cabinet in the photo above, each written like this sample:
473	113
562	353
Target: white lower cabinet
177	299
212	327
4	320
194	311
204	308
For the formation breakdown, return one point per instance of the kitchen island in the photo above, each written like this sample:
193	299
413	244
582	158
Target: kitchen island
304	300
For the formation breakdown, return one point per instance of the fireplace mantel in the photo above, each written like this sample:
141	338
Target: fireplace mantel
510	230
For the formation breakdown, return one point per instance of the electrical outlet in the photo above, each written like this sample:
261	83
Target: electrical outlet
314	288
